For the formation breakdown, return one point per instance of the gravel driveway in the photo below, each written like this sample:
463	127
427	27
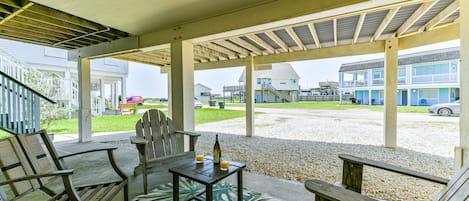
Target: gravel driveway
298	144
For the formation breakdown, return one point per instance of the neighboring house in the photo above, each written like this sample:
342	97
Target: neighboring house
424	78
326	88
280	84
202	92
108	76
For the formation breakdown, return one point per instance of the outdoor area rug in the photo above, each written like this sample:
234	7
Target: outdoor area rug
221	191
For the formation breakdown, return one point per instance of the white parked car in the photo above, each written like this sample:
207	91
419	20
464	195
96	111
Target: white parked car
445	109
197	104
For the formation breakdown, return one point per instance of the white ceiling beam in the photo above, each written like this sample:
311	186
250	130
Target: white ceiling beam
231	54
314	34
233	47
295	38
451	9
415	16
385	23
277	40
450	32
358	28
244	44
334	26
261	43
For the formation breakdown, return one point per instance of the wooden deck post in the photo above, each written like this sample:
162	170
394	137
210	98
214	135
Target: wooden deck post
352	176
84	100
390	92
182	87
463	150
250	93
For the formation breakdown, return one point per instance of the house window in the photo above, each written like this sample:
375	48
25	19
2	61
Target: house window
283	83
428	96
293	81
377	74
258	80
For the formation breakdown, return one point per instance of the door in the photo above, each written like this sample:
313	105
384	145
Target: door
404	97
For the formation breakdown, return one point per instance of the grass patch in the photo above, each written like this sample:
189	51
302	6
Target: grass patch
127	122
333	105
157	106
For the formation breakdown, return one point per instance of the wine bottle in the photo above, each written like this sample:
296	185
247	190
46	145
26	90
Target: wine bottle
216	152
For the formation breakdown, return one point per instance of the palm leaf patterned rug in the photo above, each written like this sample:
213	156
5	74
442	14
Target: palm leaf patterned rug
222	191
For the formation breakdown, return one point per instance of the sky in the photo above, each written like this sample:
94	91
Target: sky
147	81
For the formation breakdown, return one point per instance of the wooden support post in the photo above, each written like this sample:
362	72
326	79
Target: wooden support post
250	92
84	99
182	87
390	92
352	176
464	84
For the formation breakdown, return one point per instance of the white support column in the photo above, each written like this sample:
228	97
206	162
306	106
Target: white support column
390	94
409	96
170	106
462	152
103	95
124	89
84	99
182	87
250	92
369	97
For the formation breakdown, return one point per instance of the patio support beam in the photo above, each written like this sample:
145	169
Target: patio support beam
250	93
84	100
390	95
462	152
182	87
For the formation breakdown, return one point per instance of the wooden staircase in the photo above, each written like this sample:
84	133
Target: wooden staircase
19	106
273	90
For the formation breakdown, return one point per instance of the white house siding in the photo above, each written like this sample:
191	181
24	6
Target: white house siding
202	92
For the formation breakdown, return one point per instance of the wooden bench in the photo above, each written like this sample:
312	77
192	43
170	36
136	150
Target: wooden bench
457	189
126	107
28	167
158	143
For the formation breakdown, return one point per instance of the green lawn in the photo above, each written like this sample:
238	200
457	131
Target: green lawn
156	106
127	122
334	105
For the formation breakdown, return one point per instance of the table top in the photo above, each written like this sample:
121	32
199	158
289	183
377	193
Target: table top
206	172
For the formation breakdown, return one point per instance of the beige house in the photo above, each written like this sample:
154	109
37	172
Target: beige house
202	92
279	84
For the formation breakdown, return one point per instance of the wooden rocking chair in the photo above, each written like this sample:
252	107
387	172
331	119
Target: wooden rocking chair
158	143
28	167
457	189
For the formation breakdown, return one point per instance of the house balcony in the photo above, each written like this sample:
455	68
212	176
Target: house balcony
435	78
355	83
380	82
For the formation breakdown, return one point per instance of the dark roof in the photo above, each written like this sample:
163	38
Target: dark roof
421	57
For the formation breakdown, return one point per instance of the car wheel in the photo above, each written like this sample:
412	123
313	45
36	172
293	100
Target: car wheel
445	111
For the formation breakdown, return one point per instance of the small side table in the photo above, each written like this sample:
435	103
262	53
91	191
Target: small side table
207	174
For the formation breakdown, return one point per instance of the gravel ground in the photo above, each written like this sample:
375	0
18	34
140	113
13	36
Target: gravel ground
298	144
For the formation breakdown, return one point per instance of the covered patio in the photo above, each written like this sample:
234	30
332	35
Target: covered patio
182	37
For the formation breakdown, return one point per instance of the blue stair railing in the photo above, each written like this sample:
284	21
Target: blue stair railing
19	106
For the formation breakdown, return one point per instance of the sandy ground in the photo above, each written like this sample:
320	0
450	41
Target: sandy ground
298	144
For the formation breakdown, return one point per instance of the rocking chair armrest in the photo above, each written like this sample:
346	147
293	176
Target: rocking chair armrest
87	151
334	193
63	173
189	133
138	140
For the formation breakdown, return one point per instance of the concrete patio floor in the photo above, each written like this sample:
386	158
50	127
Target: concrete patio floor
94	167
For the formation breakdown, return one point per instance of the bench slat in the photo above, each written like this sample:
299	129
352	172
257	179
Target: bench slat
393	168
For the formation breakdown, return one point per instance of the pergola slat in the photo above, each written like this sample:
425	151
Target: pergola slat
385	23
452	8
424	8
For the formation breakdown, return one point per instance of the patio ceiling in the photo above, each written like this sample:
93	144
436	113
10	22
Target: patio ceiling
34	23
365	26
